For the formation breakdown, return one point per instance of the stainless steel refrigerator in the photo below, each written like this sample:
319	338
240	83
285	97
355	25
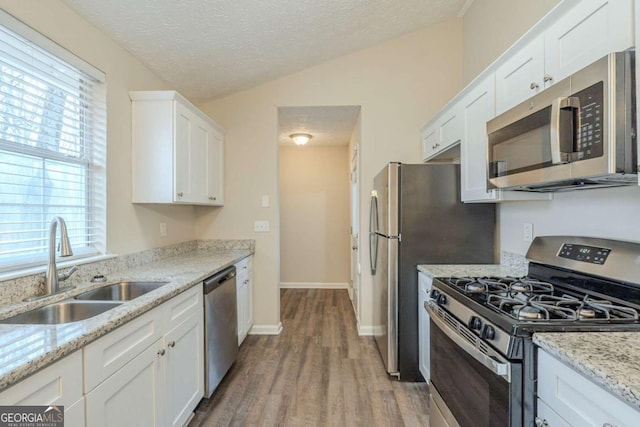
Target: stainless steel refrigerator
416	217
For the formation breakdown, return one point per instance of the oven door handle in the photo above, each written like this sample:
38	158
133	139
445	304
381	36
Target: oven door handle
493	361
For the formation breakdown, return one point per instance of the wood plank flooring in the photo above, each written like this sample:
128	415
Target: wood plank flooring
318	372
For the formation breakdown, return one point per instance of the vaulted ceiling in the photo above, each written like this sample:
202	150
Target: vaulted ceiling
209	48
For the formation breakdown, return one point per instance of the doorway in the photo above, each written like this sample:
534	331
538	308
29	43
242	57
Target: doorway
319	245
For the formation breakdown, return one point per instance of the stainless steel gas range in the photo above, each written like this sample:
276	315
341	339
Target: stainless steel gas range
483	361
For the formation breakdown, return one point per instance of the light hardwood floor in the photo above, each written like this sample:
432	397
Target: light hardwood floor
318	372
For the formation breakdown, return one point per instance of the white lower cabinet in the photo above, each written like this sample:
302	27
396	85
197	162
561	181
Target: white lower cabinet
567	398
184	369
160	382
57	384
424	287
244	288
132	396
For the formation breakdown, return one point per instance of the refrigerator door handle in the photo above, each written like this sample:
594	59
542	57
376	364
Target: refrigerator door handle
373	236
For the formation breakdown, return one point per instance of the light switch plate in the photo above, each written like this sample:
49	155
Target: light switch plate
261	226
265	201
163	229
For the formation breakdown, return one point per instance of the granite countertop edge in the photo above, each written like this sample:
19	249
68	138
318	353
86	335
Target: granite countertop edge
477	270
198	265
610	359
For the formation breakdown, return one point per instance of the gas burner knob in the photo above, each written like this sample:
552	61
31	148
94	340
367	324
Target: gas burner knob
475	323
442	299
435	294
488	333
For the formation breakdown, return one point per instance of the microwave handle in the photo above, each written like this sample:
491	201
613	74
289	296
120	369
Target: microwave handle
558	156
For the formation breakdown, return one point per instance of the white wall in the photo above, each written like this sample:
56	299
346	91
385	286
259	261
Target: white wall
314	215
399	84
130	228
491	26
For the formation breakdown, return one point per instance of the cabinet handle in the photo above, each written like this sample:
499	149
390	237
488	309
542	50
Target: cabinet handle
161	352
245	282
171	344
547	78
180	194
608	425
534	86
212	198
433	147
540	422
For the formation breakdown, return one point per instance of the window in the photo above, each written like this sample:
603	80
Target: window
52	147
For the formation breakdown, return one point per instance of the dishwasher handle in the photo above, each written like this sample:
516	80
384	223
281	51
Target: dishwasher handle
219	279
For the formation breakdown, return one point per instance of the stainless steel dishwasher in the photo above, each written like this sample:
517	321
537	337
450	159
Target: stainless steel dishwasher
220	327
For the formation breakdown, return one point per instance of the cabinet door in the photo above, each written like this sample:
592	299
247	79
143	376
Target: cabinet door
430	141
241	303
450	127
577	399
74	414
477	108
589	31
215	169
132	396
545	414
200	148
424	286
183	193
184	369
520	76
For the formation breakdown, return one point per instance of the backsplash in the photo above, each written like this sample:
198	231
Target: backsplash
511	260
15	290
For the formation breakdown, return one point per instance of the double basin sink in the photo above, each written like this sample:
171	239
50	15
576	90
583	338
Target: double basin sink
85	305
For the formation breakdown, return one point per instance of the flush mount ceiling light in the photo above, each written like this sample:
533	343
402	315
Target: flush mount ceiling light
300	138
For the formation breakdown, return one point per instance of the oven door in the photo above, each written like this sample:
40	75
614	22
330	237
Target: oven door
472	384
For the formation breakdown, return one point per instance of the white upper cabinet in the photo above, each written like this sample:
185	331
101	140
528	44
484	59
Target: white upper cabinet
442	135
177	151
586	33
520	77
573	35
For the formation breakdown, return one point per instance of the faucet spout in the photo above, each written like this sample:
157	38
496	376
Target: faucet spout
51	279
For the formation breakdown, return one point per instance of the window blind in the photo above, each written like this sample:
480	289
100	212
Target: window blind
52	148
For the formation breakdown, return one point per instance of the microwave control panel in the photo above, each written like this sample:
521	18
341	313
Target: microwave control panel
590	133
584	253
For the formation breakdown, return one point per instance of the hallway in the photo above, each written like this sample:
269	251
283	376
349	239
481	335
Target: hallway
317	372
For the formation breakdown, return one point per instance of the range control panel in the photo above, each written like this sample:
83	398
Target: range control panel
584	253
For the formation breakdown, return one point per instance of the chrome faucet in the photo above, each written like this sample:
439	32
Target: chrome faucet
51	278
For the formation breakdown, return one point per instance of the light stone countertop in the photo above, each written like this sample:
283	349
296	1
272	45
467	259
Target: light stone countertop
472	270
25	349
610	359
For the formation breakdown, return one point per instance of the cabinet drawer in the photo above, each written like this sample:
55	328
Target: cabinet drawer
105	356
180	307
57	384
578	400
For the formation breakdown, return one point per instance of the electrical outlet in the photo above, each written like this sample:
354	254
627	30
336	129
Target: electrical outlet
163	229
261	226
527	232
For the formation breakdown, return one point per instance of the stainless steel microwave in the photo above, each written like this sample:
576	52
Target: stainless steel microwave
577	134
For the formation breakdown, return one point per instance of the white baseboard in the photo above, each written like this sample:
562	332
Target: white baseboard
313	285
266	329
366	331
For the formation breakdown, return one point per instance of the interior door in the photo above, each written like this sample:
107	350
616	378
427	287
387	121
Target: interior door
354	289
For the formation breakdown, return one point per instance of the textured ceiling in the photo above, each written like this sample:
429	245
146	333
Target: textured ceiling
329	126
209	48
